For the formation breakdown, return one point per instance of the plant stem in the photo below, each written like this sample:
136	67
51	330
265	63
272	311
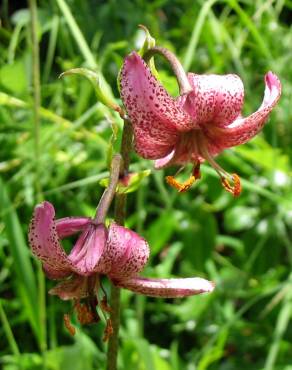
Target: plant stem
38	189
140	300
36	94
182	79
109	193
120	215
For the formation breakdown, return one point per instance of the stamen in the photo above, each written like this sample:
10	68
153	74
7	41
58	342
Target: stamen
86	312
184	186
181	187
108	331
234	189
68	324
237	185
104	305
196	171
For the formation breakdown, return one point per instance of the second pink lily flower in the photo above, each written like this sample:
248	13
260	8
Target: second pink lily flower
116	252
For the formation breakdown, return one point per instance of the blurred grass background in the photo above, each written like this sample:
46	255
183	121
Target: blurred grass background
243	244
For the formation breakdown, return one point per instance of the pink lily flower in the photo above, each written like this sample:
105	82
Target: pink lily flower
196	126
116	252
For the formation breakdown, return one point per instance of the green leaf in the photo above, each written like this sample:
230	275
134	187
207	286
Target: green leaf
161	230
240	218
79	356
13	77
148	44
102	93
21	259
130	184
145	353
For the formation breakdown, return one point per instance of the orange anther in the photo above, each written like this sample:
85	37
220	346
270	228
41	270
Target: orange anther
173	182
108	331
237	185
68	324
234	189
181	187
86	314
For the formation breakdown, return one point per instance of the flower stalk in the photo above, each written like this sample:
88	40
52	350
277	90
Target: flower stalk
119	216
183	82
37	153
109	193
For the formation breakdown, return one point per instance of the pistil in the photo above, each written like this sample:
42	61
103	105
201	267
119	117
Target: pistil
231	183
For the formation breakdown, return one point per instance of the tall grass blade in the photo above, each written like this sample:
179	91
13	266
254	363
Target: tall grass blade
25	280
189	55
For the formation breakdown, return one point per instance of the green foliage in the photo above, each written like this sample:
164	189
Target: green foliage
243	244
130	183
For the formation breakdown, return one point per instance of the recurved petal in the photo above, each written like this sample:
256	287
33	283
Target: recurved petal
44	242
155	115
244	129
70	225
215	100
87	251
166	288
126	254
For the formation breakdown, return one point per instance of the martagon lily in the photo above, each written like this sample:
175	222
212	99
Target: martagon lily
203	121
116	252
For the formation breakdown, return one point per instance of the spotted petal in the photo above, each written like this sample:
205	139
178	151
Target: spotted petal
244	129
167	288
155	115
126	253
215	100
147	148
45	244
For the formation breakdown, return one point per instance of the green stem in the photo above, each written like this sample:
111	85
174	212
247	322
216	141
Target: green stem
36	93
120	215
109	193
140	300
8	332
38	189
